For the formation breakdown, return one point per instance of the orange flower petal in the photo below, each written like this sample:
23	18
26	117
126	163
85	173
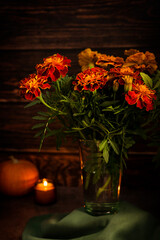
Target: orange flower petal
53	67
30	87
91	79
142	96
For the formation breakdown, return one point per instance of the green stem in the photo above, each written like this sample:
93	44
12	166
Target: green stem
82	135
42	101
53	109
58	87
43	135
102	189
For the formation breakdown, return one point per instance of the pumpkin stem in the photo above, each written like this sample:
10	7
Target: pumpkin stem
14	160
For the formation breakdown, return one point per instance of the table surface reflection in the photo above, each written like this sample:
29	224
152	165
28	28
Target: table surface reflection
16	211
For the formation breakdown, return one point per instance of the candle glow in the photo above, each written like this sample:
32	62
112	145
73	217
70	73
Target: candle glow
45	183
44	191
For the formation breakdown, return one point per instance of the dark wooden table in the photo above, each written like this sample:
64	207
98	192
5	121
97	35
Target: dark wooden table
16	211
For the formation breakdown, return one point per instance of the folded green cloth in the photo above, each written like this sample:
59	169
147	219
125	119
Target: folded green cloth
130	223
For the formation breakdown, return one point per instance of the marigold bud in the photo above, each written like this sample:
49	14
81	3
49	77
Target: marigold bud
128	87
115	86
128	79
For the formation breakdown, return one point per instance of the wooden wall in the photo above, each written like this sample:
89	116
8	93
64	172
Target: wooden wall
31	30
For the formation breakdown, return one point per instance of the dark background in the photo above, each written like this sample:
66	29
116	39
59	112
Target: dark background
31	30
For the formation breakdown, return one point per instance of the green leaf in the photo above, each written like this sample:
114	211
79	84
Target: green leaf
108	109
85	124
32	103
147	80
102	145
129	144
101	126
110	123
39	118
108	103
118	111
125	154
89	113
50	133
92	121
46	114
77	129
157	76
157	85
114	146
87	180
106	154
78	114
38	125
51	120
38	134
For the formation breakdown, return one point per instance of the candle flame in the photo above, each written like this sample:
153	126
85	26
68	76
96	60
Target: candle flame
45	183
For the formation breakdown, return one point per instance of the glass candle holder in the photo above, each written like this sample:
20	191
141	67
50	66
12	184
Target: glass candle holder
45	191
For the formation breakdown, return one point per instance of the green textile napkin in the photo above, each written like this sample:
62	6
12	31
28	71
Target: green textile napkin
130	223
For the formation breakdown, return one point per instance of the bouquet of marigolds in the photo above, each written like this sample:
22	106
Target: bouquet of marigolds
112	99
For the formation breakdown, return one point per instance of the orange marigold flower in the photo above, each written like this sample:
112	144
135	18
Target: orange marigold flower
125	74
87	58
104	61
126	71
53	67
142	61
142	96
30	87
90	79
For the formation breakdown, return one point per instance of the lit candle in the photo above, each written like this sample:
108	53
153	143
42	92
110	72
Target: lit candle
44	191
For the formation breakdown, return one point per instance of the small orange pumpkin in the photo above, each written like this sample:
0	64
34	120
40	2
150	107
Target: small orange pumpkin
17	178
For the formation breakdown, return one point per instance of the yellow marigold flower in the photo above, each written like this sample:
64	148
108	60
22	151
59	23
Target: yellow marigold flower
87	58
104	60
142	61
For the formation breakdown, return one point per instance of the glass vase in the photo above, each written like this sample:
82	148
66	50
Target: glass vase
101	180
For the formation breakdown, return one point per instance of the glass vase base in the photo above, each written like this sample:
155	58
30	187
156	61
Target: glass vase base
98	209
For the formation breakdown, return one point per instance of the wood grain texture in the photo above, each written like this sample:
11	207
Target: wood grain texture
78	24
